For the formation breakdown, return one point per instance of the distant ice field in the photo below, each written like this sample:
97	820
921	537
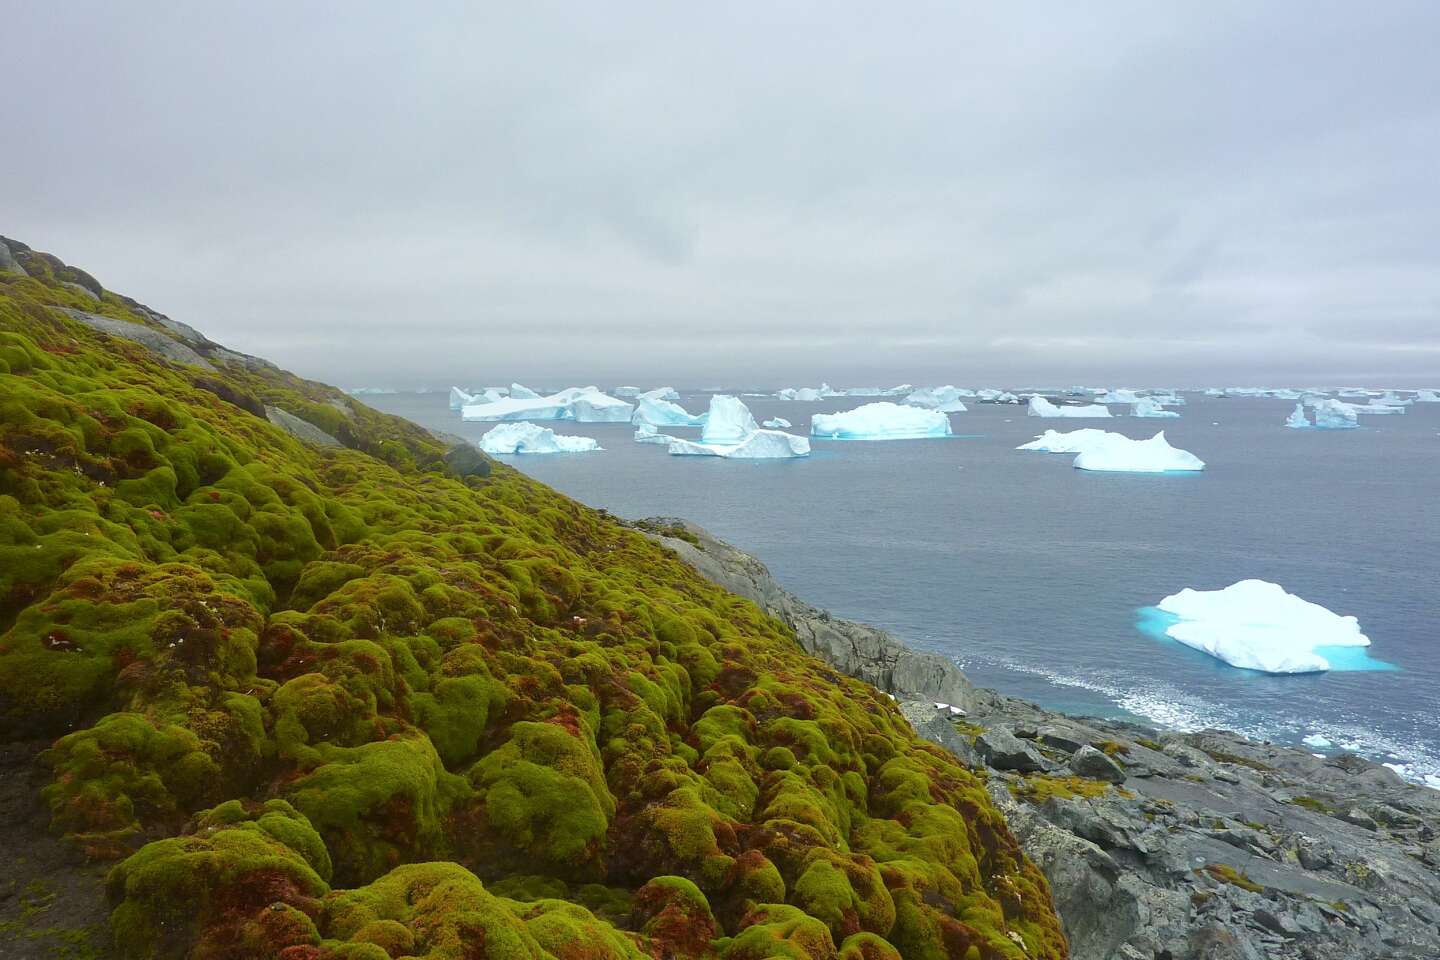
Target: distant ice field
1035	576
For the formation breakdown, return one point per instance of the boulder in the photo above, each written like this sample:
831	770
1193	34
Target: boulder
1092	763
1003	750
8	263
466	460
300	429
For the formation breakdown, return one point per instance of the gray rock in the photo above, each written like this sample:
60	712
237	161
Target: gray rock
938	727
1003	750
148	337
8	263
300	429
77	288
467	460
1092	763
1360	818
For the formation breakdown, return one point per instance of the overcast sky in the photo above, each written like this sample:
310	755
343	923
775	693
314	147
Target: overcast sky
748	194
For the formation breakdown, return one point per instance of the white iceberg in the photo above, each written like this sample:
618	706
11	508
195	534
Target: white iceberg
1120	454
805	394
516	408
1040	407
881	421
775	423
1376	407
629	393
458	398
728	421
663	413
1150	408
1335	415
646	433
1317	741
1256	625
1075	441
759	445
583	404
946	399
529	438
662	393
596	407
1118	396
995	396
1297	417
1427	396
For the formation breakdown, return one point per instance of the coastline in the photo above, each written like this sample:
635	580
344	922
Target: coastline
1203	845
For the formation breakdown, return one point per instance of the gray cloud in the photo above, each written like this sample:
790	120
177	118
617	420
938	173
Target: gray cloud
762	194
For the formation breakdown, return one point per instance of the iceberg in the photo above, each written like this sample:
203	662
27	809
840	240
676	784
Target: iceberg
996	396
1297	417
528	438
775	423
1256	625
728	421
880	421
1150	407
805	394
1376	407
583	404
1118	396
596	407
1053	441
646	433
627	393
946	399
516	408
520	392
1427	396
661	393
663	413
458	398
1334	415
760	445
1040	407
1117	453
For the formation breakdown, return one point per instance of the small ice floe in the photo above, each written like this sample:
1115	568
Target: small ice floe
776	423
1317	741
759	445
1150	407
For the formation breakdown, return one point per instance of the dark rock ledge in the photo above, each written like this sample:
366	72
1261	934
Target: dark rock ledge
1158	845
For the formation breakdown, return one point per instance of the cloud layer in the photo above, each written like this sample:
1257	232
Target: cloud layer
754	195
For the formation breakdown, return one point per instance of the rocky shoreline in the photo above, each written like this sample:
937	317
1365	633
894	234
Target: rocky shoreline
1158	845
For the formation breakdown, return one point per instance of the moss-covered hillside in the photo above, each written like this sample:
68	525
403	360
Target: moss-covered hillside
359	701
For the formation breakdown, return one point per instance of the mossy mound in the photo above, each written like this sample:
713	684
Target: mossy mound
353	702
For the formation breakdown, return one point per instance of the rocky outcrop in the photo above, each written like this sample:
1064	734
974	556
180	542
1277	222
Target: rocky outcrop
1158	845
302	430
8	263
148	337
857	649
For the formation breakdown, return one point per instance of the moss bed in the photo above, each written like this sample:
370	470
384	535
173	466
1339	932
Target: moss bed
346	703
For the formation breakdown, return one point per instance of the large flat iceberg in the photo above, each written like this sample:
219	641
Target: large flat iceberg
582	404
1120	454
881	421
1150	407
759	445
728	420
1040	407
529	438
1256	625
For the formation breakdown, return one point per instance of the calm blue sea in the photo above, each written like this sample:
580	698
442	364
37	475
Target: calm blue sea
1035	576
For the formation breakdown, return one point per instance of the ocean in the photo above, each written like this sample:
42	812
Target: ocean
1036	577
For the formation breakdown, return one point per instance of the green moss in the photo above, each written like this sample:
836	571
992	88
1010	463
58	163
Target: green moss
1228	874
1312	803
1037	788
211	614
